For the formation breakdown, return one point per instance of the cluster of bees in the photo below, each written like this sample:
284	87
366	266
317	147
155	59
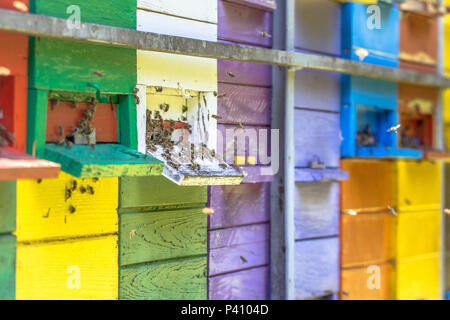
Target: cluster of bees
5	137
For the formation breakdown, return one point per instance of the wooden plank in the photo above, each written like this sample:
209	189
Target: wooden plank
420	67
183	279
259	4
354	283
158	192
153	236
365	238
12	5
14	57
316	210
244	104
7	206
36	121
244	73
128	122
316	267
7	267
244	24
106	160
310	175
238	248
200	10
250	284
315	89
317	135
84	269
315	26
66	207
239	205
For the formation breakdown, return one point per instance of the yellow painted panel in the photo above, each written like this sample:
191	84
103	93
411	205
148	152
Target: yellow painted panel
418	279
447	44
446	98
417	233
418	185
76	269
49	210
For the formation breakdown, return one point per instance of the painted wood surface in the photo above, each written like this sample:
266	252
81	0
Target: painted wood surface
83	269
15	5
316	26
183	279
252	284
14	57
316	210
369	187
317	90
317	135
366	239
268	5
238	248
316	267
239	205
200	10
158	192
244	24
244	73
420	67
7	267
156	236
354	283
447	272
66	207
319	175
7	206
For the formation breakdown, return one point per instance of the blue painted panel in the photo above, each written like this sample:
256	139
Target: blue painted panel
360	30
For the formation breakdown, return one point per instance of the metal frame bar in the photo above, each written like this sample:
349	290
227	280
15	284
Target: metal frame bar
44	26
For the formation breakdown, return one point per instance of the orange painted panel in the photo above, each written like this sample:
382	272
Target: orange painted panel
13	53
365	238
355	283
65	115
17	5
369	186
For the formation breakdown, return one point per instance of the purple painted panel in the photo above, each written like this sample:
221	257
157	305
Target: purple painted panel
244	24
257	174
309	175
317	134
317	26
250	284
260	4
316	267
238	248
248	73
239	205
244	104
315	89
316	209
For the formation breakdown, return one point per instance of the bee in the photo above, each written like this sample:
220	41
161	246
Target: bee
95	179
345	293
215	93
90	190
74	104
392	210
184	109
98	74
240	126
230	74
133	233
394	129
173	164
222	96
213	153
135	90
208	211
82	189
48	214
223	165
195	166
39	180
68	194
243	259
72	209
216	117
164	107
183	118
265	34
159	89
151	147
73	185
60	142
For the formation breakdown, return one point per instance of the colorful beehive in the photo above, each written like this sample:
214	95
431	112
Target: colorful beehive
366	221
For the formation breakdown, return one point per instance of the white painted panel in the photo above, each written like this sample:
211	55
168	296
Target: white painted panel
141	117
203	10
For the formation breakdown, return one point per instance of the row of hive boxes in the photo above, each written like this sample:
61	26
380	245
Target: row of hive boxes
391	220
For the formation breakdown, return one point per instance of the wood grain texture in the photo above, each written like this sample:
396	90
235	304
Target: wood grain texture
369	186
365	238
7	267
244	73
316	209
244	24
354	283
250	284
7	206
244	104
316	267
183	279
153	236
44	208
315	89
239	205
315	26
238	248
50	271
317	134
158	192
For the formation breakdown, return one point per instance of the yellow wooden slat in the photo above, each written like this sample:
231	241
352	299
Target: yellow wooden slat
43	212
75	269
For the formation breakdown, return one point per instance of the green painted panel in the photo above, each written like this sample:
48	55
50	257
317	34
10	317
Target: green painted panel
128	120
69	66
183	279
7	267
36	121
158	192
7	206
113	13
106	160
156	236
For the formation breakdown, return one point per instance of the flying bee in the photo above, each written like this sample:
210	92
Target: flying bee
394	129
230	74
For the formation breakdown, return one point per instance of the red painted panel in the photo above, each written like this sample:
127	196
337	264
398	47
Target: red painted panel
17	5
253	74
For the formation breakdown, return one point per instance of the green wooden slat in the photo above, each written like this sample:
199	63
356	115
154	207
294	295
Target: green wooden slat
171	280
7	267
106	160
7	206
36	120
156	236
128	122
